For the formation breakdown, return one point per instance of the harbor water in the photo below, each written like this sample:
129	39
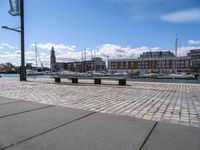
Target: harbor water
9	75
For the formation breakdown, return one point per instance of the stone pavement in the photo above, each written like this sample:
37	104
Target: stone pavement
177	103
28	125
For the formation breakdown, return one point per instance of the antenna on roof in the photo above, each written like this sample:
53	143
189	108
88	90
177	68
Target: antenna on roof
85	57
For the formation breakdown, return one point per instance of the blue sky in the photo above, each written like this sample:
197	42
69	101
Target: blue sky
108	28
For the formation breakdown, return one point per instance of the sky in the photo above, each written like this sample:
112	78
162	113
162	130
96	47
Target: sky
111	29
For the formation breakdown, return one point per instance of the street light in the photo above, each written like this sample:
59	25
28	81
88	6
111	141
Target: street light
13	29
14	12
22	68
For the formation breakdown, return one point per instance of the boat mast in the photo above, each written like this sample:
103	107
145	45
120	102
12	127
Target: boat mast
36	56
176	53
82	59
91	61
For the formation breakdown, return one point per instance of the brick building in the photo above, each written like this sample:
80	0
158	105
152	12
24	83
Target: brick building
149	62
195	60
96	64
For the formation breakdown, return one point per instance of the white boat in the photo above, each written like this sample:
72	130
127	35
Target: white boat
34	73
66	73
149	75
97	74
108	74
125	73
117	74
179	76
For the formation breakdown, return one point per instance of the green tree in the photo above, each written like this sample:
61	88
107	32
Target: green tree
8	67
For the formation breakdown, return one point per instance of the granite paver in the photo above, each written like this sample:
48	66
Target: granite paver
177	103
94	132
17	128
173	137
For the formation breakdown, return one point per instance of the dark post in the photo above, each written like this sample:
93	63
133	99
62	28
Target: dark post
23	69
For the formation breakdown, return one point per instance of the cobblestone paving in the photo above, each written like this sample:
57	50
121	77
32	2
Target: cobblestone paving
169	102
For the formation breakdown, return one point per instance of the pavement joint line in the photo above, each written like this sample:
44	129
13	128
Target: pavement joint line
49	130
19	101
26	111
146	139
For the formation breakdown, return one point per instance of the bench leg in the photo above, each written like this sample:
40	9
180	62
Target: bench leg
122	81
57	80
97	81
74	80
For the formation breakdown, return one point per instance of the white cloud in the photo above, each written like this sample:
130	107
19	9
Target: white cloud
59	46
112	51
10	57
183	16
194	42
106	51
64	53
7	46
182	51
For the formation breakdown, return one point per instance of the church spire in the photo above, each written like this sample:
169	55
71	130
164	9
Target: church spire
53	60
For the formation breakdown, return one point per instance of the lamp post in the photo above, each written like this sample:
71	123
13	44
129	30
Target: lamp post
15	13
22	69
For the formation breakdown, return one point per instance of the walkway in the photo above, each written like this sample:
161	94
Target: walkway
167	102
32	126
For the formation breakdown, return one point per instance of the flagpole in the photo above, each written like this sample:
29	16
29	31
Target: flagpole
23	69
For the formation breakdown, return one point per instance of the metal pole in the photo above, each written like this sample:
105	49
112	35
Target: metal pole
176	53
23	69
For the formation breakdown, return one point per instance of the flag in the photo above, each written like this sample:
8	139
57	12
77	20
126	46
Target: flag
14	7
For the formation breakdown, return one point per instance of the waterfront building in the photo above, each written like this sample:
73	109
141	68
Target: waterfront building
95	64
98	64
61	66
2	68
29	66
161	62
151	62
123	65
159	54
195	60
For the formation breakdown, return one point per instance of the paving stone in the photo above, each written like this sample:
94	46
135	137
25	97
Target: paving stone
15	108
158	101
95	132
17	128
173	137
4	100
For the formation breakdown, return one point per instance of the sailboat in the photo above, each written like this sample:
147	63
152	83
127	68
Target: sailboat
35	72
176	74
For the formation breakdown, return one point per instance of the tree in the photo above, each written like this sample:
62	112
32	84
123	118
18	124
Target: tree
9	67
